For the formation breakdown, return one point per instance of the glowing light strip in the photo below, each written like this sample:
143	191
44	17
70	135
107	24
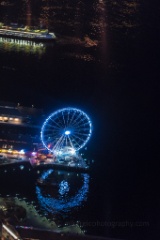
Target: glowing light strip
9	231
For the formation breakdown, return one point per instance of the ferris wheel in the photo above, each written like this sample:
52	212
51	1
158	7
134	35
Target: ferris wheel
66	130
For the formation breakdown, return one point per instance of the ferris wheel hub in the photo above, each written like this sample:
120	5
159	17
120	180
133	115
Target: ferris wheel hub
67	132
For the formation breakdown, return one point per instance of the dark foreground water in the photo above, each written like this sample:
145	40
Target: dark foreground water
105	62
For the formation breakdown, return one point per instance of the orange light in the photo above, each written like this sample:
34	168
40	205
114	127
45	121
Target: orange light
16	119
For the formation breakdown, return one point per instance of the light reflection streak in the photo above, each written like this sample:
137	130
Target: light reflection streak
23	45
103	27
10	231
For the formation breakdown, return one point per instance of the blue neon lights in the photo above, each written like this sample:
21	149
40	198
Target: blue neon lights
54	205
67	127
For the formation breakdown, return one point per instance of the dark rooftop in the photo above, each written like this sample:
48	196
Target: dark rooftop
9	111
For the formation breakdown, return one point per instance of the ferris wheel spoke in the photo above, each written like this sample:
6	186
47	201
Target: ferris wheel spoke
81	123
79	137
73	122
59	142
57	124
68	142
51	127
51	136
70	122
60	120
82	134
68	117
60	145
54	126
61	139
48	131
64	119
81	128
71	142
76	143
81	120
53	133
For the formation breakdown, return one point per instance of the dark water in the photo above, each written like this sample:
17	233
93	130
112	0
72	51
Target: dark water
115	82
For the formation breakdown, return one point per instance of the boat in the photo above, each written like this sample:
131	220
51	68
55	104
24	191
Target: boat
26	33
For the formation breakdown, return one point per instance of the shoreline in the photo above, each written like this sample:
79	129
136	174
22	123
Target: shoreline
57	166
34	220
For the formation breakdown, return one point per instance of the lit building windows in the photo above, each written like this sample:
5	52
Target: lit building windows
16	119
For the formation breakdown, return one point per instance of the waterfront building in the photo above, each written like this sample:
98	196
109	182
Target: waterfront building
19	126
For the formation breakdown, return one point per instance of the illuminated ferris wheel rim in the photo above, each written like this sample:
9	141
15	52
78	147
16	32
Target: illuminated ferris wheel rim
67	131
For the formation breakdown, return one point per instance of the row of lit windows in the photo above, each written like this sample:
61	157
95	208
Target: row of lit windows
9	119
11	151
